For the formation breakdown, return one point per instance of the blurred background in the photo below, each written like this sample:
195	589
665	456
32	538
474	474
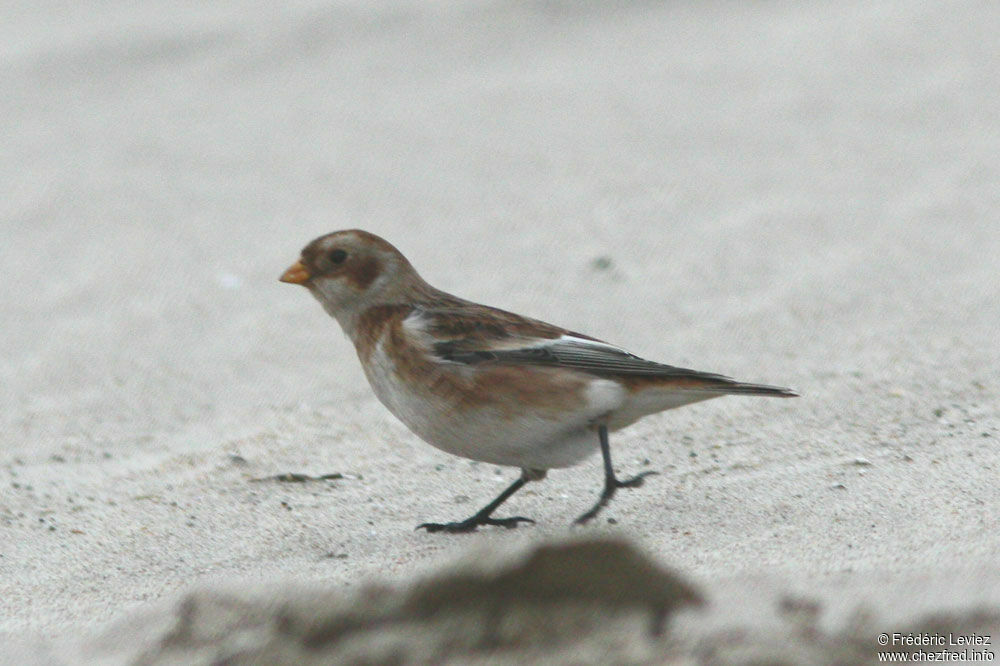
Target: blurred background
800	193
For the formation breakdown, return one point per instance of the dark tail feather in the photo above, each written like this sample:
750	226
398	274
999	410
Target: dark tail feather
709	382
743	388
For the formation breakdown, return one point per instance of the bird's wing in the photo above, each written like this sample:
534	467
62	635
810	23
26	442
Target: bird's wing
490	336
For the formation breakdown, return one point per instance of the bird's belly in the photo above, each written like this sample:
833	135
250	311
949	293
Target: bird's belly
520	434
523	441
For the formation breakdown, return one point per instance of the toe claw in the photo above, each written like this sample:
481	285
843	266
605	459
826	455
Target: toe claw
451	528
613	484
509	523
471	524
636	481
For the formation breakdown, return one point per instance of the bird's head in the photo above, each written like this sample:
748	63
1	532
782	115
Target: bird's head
350	271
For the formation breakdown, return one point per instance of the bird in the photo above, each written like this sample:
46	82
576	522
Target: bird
488	384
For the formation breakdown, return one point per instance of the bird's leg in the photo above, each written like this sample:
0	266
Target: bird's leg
482	517
611	483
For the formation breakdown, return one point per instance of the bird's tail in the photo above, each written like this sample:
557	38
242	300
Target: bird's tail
743	388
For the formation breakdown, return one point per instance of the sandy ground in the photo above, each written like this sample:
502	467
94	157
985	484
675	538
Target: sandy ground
801	193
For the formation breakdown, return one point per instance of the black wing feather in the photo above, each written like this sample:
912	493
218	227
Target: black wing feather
595	358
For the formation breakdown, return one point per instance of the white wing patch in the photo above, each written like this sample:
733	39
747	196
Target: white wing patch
585	342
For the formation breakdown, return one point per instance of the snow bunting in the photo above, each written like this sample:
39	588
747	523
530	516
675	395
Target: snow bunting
487	384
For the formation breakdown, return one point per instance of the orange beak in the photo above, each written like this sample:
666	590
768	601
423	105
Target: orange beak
296	274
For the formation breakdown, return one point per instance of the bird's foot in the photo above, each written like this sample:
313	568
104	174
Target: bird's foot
596	509
610	486
635	482
470	524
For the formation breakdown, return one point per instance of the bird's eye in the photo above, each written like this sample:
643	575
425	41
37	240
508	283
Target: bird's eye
337	256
